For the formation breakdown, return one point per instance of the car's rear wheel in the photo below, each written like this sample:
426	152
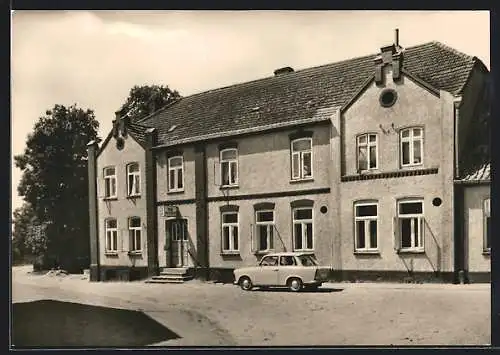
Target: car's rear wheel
295	284
246	283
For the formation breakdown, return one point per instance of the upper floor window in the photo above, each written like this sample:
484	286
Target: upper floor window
367	152
111	233
230	235
412	141
264	221
302	228
134	228
301	158
110	182
487	226
133	180
176	173
229	166
410	223
365	229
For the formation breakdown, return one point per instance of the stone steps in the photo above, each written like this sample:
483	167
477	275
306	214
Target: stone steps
171	275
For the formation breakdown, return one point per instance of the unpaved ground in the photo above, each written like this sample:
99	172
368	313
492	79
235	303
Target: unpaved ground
206	314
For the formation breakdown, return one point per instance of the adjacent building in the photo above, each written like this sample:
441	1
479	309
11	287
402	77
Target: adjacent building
370	163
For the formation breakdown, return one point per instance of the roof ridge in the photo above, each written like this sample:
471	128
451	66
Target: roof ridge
454	51
295	72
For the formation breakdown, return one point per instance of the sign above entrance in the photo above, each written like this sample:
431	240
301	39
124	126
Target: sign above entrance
170	211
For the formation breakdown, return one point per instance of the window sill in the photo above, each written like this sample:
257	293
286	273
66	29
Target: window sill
230	253
410	166
367	252
228	187
411	251
135	253
304	250
110	198
175	192
133	197
487	252
297	181
263	252
111	253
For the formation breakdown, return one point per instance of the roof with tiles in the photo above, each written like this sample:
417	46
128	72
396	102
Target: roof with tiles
481	174
138	131
297	97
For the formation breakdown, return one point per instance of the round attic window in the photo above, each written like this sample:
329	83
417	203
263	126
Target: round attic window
388	97
120	143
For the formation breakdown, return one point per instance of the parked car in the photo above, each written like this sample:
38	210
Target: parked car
294	270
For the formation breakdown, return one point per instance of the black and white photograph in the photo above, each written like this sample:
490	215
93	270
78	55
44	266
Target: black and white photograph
259	178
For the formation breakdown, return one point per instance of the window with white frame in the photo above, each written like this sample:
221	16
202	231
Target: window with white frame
412	146
301	158
111	232
365	229
367	151
487	225
134	230
303	228
410	222
176	173
230	235
133	179
264	221
110	182
229	166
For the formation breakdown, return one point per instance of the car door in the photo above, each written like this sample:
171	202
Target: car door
287	268
267	273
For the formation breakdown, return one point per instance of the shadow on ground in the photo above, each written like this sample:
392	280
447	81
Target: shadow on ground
50	323
319	290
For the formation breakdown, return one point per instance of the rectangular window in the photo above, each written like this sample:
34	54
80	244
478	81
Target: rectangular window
365	220
111	232
230	237
487	226
133	180
303	229
264	221
412	145
367	152
109	182
175	174
229	167
301	159
410	221
134	228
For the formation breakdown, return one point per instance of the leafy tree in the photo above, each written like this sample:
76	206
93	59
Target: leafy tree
146	99
23	219
55	180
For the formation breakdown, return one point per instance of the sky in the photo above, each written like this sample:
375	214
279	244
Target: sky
94	58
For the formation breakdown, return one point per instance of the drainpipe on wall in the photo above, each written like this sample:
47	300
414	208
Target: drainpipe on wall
151	212
92	148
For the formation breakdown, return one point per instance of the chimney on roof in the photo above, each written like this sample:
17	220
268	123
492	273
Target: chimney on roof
284	70
390	54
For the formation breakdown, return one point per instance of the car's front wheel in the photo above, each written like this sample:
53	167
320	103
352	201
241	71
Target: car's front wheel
295	284
246	283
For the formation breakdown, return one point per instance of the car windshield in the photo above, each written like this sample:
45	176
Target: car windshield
308	260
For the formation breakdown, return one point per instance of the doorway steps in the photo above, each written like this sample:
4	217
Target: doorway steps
171	275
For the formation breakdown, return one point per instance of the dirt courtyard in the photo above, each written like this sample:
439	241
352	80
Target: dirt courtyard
207	314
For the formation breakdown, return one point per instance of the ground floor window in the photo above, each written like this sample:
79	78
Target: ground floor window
230	235
365	226
264	221
134	229
303	228
487	226
111	232
410	223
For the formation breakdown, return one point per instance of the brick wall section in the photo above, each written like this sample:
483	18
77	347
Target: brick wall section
93	236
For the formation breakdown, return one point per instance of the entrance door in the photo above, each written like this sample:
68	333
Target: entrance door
177	237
